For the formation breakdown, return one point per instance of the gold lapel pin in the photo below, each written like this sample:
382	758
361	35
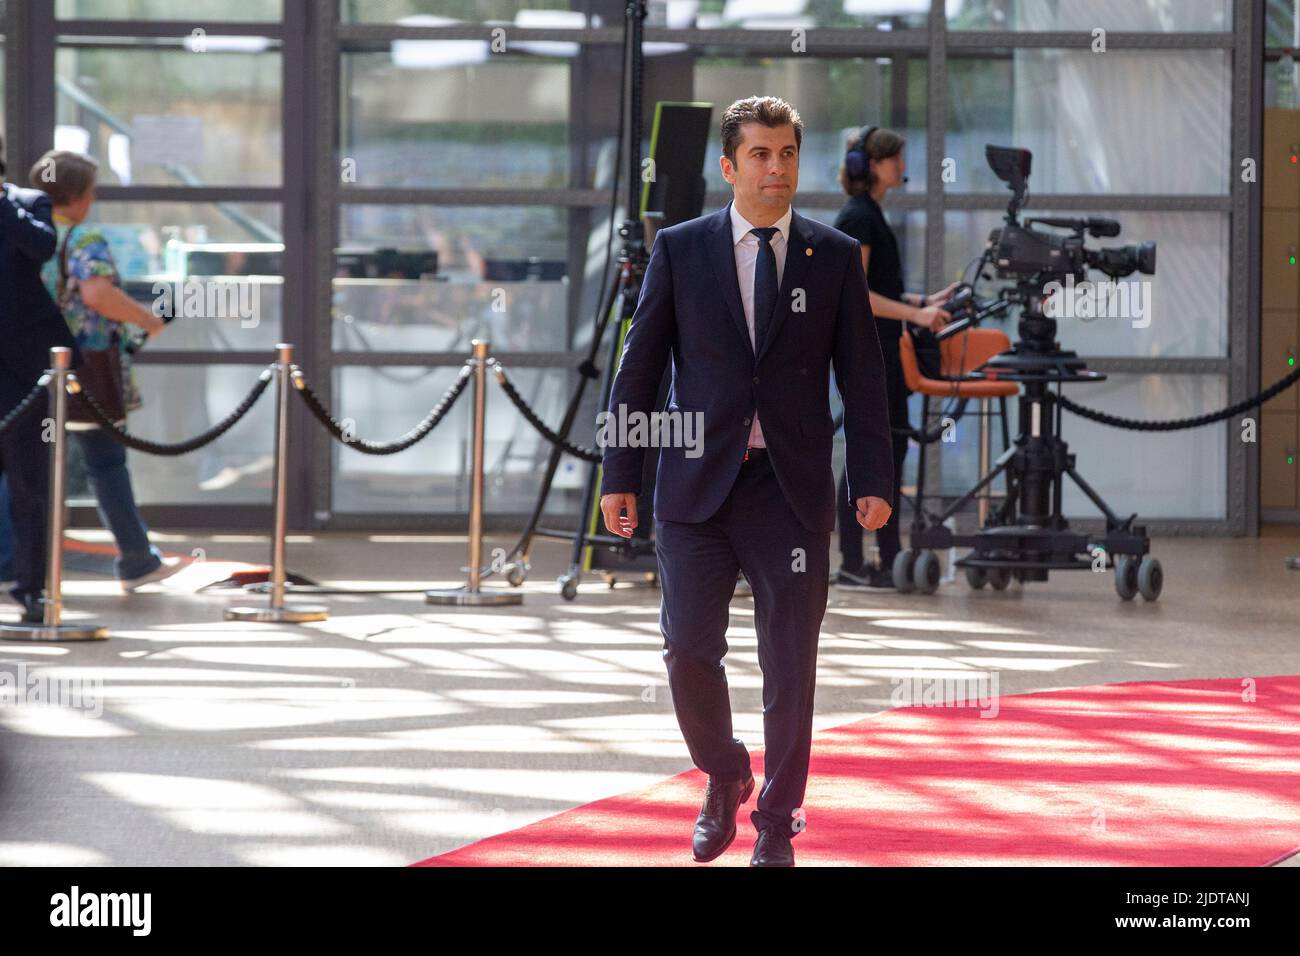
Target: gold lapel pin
807	251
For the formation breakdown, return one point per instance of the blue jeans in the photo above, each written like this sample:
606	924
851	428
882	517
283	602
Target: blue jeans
106	466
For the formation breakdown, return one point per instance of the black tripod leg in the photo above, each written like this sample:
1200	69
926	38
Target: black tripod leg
1006	436
1094	497
634	255
524	545
606	389
961	502
918	513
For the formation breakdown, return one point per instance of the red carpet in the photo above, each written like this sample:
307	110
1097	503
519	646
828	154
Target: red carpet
1144	774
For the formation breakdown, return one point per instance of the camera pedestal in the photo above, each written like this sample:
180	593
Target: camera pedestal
1028	536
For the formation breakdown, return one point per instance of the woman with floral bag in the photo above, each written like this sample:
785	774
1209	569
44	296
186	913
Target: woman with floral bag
83	279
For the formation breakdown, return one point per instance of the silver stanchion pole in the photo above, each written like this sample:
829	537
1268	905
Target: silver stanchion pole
53	628
276	612
470	594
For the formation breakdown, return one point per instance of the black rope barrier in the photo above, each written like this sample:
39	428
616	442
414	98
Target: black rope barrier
341	434
16	413
1175	424
121	435
577	451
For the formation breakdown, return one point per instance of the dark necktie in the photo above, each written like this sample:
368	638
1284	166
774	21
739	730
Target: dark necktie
765	291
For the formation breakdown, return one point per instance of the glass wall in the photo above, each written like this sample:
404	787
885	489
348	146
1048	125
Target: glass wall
1145	16
389	179
187	128
267	11
166	116
1282	43
1074	110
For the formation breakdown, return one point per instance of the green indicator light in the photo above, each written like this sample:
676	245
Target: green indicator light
1292	260
1290	459
1290	361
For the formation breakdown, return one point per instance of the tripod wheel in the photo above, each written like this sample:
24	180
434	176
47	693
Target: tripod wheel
1000	578
902	571
515	574
925	572
977	577
1150	578
568	587
1126	577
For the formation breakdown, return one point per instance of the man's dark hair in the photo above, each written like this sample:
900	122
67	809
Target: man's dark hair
771	111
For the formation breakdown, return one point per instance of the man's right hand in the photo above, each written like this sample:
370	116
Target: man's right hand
612	507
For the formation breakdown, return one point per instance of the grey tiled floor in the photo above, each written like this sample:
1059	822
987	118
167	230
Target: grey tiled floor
396	730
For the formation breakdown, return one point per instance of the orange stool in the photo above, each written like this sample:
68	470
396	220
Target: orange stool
959	356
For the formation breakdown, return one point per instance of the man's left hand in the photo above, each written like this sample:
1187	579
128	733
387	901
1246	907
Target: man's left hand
873	513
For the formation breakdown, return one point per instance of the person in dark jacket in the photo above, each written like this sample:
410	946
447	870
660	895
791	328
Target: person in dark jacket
752	306
30	325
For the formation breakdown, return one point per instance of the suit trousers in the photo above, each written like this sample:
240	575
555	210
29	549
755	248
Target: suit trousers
24	460
787	566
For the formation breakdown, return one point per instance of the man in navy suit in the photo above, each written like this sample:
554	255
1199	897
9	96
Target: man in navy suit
30	325
752	304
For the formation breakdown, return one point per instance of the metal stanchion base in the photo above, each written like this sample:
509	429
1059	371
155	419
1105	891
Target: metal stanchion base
295	614
53	632
474	598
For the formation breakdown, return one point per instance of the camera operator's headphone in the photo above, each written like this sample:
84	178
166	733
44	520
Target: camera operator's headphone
856	162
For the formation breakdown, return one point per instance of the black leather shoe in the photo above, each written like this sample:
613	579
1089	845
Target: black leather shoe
772	848
33	609
715	827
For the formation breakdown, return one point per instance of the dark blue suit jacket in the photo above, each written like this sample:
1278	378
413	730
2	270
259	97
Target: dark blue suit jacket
30	323
690	310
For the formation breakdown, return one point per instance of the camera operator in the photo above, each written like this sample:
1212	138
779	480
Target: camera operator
30	325
873	165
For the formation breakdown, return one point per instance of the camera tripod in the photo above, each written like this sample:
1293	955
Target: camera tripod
1028	536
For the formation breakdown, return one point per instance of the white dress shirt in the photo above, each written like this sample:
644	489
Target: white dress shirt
745	245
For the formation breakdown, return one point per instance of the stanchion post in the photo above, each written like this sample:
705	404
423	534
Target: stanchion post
53	628
277	612
470	594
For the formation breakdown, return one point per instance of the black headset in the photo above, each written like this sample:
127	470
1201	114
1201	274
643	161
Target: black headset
856	163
